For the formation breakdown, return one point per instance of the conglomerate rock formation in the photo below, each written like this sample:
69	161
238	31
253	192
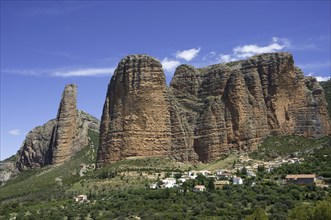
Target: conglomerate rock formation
59	139
207	112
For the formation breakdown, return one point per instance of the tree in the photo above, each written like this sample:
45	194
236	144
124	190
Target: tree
323	210
301	212
258	214
260	168
211	184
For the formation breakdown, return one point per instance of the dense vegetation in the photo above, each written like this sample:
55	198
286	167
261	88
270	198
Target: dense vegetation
231	202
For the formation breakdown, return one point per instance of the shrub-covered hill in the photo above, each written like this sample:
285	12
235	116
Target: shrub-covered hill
51	180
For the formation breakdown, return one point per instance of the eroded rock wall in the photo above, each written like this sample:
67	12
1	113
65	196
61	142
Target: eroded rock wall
207	112
135	119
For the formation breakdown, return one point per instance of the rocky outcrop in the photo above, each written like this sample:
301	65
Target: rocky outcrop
59	139
135	119
7	171
66	127
207	112
234	106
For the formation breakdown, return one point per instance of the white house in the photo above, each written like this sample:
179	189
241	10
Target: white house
182	180
192	175
169	182
81	198
204	172
199	188
237	180
153	186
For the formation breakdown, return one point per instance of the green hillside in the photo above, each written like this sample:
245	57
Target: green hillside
120	190
31	185
288	146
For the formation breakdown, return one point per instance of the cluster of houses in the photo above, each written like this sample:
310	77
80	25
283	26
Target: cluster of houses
221	178
226	177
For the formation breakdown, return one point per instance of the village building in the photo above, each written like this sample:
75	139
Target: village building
153	186
81	198
225	175
221	183
169	182
192	174
199	188
182	180
237	180
205	172
301	179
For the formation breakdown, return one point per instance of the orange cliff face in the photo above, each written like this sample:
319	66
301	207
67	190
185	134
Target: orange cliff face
207	112
135	119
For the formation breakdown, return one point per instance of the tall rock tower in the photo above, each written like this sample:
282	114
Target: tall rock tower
135	118
65	132
59	139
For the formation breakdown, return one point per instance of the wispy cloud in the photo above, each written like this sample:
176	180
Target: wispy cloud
85	72
210	55
15	132
188	55
64	72
169	65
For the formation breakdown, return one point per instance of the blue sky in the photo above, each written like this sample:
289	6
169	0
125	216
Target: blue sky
47	44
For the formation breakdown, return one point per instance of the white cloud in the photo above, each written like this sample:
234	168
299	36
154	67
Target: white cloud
225	58
245	51
252	49
322	78
169	65
85	72
15	132
188	55
319	78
